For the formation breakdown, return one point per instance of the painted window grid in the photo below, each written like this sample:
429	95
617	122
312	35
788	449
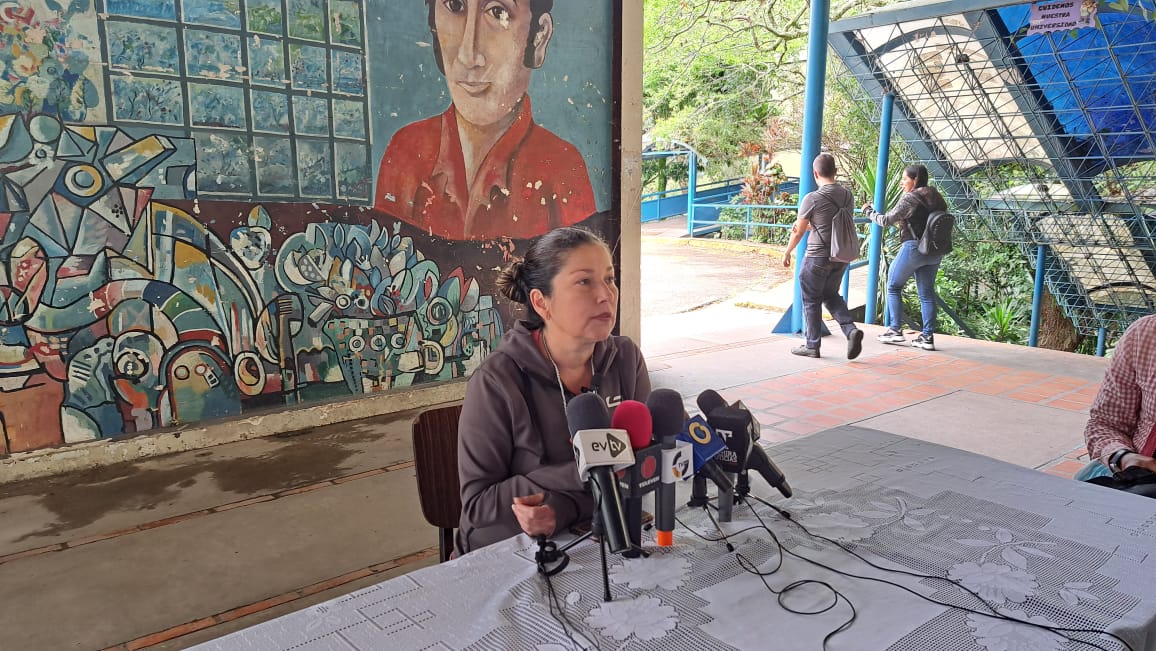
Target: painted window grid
282	81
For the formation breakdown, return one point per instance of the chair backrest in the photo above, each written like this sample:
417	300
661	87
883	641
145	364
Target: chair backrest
435	457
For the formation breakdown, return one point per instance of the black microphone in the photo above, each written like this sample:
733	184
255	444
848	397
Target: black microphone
600	451
737	426
761	462
756	428
708	401
667	416
732	426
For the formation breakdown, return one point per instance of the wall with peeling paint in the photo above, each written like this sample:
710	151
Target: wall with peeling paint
194	223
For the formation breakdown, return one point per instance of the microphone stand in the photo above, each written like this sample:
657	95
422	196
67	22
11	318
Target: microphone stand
596	529
743	485
548	553
726	501
698	497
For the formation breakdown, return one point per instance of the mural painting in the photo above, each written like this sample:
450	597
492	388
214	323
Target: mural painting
483	168
188	220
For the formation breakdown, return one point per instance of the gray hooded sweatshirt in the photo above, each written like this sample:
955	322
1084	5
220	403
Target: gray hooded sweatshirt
513	439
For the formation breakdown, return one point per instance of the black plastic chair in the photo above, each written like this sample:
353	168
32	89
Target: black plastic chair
435	460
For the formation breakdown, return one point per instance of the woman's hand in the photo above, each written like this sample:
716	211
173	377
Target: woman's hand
1133	459
866	207
534	517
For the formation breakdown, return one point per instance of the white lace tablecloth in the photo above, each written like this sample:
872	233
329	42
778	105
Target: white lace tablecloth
1034	547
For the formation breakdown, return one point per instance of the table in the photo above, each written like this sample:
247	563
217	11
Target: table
1035	547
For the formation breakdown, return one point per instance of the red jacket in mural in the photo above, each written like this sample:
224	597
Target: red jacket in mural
530	182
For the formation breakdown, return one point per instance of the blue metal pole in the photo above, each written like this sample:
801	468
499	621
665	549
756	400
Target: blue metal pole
875	243
691	186
1037	297
1101	339
812	130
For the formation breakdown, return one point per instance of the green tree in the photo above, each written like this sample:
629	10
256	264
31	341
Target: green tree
717	70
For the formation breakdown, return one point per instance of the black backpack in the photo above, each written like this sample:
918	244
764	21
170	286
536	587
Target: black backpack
936	236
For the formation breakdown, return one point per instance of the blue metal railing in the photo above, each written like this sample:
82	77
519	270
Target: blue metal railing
694	223
748	224
702	189
705	217
675	201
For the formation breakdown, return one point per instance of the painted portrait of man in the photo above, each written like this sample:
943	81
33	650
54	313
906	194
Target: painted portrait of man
484	168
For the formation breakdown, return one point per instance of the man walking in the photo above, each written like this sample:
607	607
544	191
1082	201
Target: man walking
820	276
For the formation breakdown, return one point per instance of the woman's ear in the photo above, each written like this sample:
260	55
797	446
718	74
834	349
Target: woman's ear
539	303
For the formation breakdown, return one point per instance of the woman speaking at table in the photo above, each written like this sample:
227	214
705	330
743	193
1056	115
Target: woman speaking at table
515	462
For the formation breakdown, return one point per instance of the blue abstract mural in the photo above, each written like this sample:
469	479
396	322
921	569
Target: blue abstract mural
122	311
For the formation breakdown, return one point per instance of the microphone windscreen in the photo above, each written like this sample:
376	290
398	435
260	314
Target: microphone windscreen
666	412
708	401
634	417
586	411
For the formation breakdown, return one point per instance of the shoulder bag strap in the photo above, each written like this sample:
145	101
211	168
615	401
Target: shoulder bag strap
910	228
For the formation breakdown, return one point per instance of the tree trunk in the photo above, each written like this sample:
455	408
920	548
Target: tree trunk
1057	331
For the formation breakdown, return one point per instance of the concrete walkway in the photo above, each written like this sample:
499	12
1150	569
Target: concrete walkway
167	552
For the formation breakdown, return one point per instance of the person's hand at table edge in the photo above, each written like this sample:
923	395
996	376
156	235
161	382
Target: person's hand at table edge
1137	460
534	517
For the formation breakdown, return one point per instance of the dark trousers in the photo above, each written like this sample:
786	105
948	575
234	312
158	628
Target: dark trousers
819	279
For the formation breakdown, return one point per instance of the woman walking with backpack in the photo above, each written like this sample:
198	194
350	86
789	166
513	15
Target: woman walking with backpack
910	217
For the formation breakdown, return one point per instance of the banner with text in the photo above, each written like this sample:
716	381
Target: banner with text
1062	15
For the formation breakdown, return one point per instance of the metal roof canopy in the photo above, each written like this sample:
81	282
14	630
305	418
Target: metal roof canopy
1074	110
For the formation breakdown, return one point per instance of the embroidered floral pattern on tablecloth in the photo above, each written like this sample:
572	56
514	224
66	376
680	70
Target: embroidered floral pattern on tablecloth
898	512
1000	553
837	526
995	583
645	618
1012	550
667	571
1001	635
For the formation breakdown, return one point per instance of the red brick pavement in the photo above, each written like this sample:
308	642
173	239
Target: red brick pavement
804	403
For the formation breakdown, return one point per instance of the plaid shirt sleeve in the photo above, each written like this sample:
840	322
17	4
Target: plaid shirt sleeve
1125	408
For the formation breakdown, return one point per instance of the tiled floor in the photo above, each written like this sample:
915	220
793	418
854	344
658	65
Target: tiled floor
792	406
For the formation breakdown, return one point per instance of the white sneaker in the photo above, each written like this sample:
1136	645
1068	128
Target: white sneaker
892	337
926	342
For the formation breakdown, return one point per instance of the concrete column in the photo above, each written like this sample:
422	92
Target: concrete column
630	192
